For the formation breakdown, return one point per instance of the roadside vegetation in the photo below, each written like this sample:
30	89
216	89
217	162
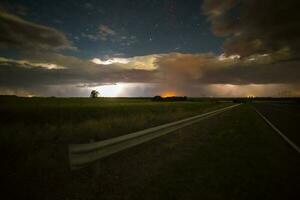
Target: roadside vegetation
81	119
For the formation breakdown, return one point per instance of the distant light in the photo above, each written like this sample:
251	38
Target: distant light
169	94
111	90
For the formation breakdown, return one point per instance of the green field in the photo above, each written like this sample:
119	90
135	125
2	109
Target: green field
82	119
234	155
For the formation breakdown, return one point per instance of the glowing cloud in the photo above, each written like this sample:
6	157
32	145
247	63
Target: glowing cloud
147	62
231	57
169	94
110	61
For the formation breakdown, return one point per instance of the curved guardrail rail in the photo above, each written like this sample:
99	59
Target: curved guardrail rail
80	155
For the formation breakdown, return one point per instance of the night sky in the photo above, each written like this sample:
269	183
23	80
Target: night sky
150	47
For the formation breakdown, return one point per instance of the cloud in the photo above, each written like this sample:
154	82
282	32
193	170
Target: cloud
88	6
28	64
98	61
106	32
217	10
90	36
147	62
44	70
188	69
186	74
18	33
214	90
255	26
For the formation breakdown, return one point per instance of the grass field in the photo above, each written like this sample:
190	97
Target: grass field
234	155
80	120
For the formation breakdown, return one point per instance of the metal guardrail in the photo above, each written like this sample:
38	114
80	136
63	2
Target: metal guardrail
81	155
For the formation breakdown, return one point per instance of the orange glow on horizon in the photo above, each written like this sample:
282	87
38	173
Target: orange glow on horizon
169	94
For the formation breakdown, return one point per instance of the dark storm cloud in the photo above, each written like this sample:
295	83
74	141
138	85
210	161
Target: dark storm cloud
18	33
183	73
195	69
64	70
256	26
217	12
244	74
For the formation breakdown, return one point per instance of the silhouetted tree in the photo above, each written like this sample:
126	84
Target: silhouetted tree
157	98
94	94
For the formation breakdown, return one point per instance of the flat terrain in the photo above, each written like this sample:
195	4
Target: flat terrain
234	155
35	132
